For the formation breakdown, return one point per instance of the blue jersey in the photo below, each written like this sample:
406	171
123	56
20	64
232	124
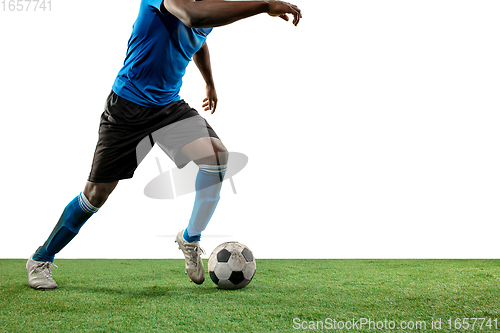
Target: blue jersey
159	50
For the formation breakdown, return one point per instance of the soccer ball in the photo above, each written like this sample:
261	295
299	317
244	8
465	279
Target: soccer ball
231	265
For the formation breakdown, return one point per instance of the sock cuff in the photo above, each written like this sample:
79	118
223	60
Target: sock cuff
190	238
213	168
212	173
85	204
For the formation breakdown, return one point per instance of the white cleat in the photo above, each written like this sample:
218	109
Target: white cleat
192	253
40	274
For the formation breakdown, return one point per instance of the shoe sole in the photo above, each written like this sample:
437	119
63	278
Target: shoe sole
44	288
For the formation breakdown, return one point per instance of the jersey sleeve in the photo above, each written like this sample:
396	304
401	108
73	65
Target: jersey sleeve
156	4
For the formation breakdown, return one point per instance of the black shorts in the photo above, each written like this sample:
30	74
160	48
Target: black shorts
128	131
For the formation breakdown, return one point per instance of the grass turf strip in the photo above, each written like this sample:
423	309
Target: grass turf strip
155	295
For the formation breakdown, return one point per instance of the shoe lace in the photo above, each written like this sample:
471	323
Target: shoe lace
195	252
45	268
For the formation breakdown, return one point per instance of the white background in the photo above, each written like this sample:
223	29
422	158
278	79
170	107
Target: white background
372	131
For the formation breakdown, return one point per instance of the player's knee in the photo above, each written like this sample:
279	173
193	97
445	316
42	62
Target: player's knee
206	151
220	152
98	193
219	156
211	155
96	196
222	155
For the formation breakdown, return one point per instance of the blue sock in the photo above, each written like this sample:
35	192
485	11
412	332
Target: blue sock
190	238
76	213
208	185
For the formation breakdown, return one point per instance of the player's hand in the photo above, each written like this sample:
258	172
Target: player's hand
281	9
210	102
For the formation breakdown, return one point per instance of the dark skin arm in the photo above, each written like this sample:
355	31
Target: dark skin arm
214	13
202	61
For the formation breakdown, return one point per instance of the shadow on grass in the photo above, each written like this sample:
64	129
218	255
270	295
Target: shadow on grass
153	291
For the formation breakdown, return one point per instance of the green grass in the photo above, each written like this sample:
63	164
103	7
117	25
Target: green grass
156	295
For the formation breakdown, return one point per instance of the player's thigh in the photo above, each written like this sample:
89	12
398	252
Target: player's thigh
206	150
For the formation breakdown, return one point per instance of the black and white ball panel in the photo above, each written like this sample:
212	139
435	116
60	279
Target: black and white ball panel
231	265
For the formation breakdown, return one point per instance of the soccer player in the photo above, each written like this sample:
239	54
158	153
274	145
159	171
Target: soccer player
144	108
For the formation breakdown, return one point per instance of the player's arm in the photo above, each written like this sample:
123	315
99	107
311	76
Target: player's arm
202	61
208	14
